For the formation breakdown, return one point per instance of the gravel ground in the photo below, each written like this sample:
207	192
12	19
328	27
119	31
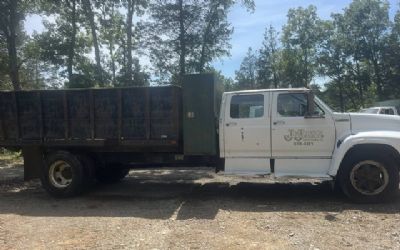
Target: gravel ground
190	209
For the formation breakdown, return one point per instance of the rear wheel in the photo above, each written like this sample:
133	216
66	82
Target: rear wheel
371	180
63	175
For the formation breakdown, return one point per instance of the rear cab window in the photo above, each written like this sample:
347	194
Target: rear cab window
247	106
387	111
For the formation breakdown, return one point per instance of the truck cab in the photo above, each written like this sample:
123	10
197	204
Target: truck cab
291	133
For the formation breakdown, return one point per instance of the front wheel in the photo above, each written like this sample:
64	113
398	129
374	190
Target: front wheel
63	175
369	180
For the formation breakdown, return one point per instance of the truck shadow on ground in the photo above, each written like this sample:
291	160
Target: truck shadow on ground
167	197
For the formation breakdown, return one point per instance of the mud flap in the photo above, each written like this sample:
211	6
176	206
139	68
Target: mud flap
33	162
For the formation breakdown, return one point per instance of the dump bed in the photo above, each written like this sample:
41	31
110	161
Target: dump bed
137	118
167	119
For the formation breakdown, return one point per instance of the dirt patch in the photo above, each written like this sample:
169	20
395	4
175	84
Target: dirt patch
191	209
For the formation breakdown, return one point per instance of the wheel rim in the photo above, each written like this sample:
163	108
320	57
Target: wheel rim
369	177
60	174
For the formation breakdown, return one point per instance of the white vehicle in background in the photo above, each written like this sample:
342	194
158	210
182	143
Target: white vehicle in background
380	110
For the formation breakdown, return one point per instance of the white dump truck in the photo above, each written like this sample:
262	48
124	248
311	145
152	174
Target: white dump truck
70	136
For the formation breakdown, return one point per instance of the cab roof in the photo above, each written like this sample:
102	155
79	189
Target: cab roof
269	90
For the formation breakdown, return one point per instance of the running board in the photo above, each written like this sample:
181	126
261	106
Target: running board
276	176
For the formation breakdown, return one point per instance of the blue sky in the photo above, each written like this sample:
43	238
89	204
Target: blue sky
249	27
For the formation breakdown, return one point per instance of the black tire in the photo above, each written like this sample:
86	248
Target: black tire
369	177
64	183
111	174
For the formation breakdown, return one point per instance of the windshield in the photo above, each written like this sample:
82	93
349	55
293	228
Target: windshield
323	105
370	111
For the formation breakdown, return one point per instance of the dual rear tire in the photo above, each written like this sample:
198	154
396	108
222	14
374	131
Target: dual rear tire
66	175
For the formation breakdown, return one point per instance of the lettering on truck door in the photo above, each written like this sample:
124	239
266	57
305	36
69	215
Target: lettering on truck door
300	145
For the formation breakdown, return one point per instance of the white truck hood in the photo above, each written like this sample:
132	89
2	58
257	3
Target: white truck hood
370	122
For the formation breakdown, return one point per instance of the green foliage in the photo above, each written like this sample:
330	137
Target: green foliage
268	72
246	76
185	36
93	43
357	51
301	37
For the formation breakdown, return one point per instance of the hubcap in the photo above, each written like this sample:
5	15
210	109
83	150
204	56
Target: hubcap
60	174
369	177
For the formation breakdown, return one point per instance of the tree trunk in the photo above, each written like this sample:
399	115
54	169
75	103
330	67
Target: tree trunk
111	50
12	45
182	41
71	51
37	80
212	17
129	65
378	79
90	16
306	68
341	94
202	61
275	79
273	68
359	83
112	62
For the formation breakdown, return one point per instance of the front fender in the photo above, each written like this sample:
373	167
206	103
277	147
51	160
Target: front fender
389	138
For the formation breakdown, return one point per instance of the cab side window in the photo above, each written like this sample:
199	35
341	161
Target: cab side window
387	111
295	105
247	106
292	105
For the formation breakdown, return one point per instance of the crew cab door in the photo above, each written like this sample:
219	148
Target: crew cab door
247	133
301	145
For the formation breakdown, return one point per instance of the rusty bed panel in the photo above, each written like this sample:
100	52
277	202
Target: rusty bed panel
7	116
53	114
78	109
143	116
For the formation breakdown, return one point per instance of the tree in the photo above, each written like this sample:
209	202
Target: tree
368	23
5	82
87	6
246	76
268	60
188	34
176	32
11	15
301	36
71	52
112	32
333	58
390	62
215	33
66	46
133	7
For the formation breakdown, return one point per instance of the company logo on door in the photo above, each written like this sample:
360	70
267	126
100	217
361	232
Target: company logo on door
304	137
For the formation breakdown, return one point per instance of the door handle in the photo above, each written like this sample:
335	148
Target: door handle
231	124
279	122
